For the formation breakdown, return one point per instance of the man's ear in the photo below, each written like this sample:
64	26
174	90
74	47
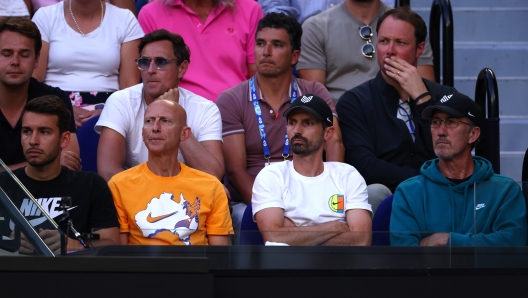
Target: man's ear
295	57
474	134
182	68
185	134
419	49
329	132
65	139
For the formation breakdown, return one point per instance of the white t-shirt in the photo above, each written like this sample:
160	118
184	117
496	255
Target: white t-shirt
85	63
13	8
310	200
124	112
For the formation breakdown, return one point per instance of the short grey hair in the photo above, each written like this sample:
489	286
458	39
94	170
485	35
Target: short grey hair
228	3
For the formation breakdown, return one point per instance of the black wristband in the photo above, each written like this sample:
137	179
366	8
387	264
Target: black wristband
422	96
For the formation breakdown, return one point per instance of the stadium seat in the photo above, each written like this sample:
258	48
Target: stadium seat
524	177
381	223
88	141
249	232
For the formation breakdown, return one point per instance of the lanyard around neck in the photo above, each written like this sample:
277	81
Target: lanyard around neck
260	120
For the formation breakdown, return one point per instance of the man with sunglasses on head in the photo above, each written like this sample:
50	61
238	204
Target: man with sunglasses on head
384	135
457	200
335	55
163	60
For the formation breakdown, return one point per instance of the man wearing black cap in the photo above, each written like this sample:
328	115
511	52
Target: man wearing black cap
307	201
457	200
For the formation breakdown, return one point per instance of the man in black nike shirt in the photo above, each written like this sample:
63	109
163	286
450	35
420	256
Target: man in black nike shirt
45	134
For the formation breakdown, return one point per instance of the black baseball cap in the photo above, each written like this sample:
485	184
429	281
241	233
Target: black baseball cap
457	105
314	105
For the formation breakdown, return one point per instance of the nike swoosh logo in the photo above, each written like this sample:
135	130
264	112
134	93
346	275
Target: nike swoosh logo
158	218
334	203
37	221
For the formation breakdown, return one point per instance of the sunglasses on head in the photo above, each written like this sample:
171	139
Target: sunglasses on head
143	63
367	49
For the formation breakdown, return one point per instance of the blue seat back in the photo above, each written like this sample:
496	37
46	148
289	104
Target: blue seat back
249	232
88	142
381	223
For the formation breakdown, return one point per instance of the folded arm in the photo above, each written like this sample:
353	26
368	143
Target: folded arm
271	223
360	230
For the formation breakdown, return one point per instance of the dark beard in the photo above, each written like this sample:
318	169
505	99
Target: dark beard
304	149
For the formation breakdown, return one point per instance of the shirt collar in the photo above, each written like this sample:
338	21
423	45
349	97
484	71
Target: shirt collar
261	98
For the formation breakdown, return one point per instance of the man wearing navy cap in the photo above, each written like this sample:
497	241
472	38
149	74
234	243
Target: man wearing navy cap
307	201
457	200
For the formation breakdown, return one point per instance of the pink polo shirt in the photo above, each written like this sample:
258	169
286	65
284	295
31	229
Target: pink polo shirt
221	48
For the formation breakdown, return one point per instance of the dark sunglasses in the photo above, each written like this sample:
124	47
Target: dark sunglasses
143	63
367	49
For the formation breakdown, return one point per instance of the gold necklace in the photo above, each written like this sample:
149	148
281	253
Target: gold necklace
75	21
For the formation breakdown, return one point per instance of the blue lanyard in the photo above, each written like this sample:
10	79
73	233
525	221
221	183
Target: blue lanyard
260	121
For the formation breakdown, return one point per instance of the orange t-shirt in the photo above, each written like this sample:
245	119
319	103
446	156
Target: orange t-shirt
178	210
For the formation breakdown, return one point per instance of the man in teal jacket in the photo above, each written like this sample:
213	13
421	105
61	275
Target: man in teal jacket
457	200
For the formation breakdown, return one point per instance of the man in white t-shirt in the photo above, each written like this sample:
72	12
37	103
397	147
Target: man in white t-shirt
307	201
164	59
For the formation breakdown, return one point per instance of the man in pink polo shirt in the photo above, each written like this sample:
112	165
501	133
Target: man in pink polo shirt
220	35
248	146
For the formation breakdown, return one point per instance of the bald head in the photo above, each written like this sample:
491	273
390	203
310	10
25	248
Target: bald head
164	127
167	107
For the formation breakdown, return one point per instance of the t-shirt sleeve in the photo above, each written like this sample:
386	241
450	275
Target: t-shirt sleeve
312	44
132	29
427	56
102	210
114	115
256	15
44	22
356	192
230	111
124	226
267	190
219	220
211	126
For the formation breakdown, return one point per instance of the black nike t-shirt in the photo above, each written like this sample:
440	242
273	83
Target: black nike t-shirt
92	206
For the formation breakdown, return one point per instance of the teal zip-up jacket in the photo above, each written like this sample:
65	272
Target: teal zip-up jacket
487	210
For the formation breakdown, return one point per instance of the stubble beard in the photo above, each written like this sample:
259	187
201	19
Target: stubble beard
48	159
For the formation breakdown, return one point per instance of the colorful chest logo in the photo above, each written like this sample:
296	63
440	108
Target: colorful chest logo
337	203
165	214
